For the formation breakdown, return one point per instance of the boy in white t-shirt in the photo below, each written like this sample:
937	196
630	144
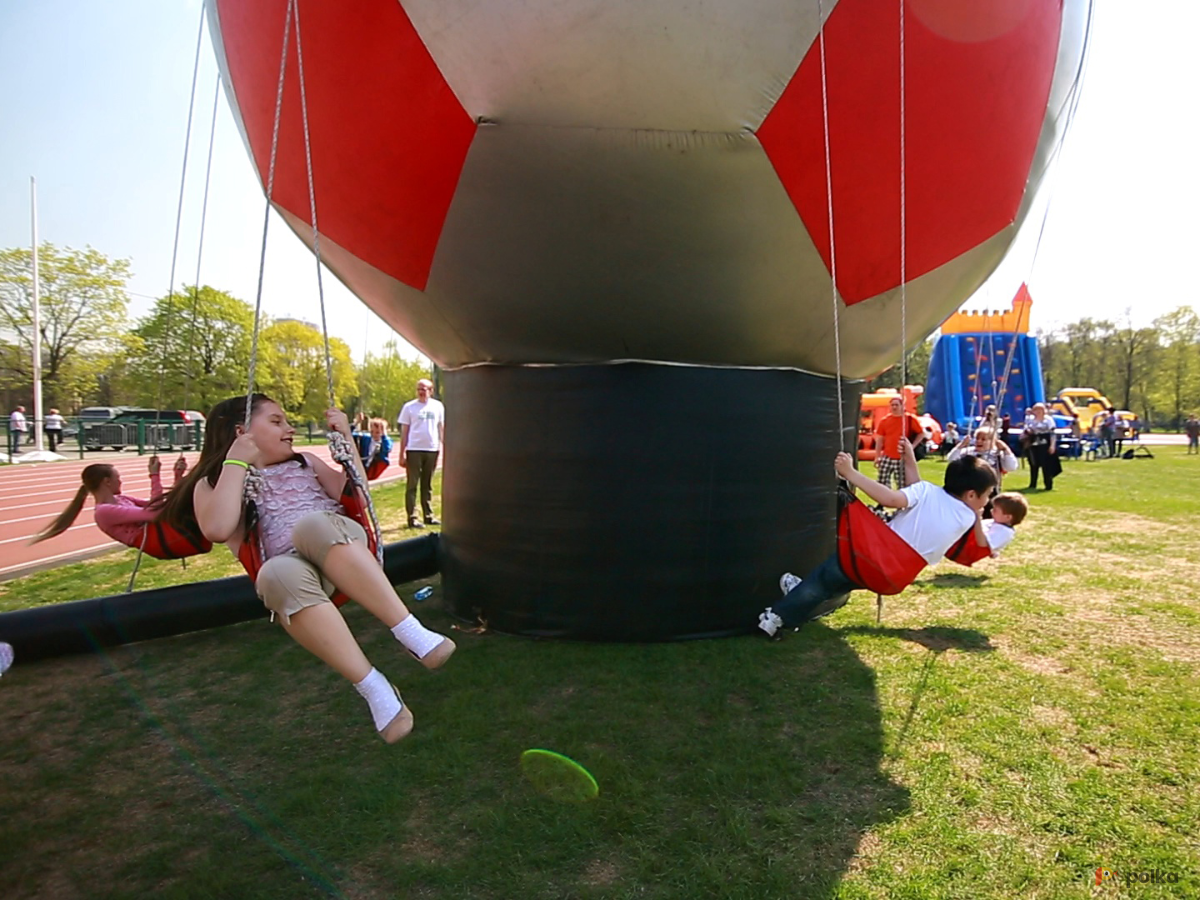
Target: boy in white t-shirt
930	520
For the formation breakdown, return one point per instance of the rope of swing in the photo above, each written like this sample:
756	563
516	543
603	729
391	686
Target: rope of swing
1071	111
837	329
837	342
262	258
212	133
903	219
187	143
166	331
341	449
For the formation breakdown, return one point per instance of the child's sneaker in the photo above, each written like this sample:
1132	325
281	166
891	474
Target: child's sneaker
769	622
787	581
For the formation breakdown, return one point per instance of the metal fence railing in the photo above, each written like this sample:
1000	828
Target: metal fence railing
80	435
144	434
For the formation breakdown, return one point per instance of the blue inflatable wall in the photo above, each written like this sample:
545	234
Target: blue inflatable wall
966	373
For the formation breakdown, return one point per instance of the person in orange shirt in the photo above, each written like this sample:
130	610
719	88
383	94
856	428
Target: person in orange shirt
896	424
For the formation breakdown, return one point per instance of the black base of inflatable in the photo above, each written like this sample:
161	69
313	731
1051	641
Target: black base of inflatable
635	502
84	625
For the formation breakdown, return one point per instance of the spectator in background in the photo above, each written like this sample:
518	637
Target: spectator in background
422	433
54	428
1192	429
17	426
897	424
1108	431
1120	432
1043	448
949	439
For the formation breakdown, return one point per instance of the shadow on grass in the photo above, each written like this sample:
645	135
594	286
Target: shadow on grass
956	580
935	638
736	768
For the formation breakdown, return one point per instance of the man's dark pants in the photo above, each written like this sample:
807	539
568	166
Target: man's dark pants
421	464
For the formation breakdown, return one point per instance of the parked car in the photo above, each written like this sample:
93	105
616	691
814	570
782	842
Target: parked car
89	415
161	416
98	413
162	429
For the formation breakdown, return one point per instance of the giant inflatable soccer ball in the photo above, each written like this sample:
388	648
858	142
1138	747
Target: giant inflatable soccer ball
555	186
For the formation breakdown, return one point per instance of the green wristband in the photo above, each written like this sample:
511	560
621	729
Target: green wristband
236	462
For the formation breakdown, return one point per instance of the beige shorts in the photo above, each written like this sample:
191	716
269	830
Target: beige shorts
292	582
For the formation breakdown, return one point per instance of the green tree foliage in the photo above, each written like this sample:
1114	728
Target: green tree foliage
916	370
291	369
193	350
1075	355
1176	388
83	308
388	381
1153	371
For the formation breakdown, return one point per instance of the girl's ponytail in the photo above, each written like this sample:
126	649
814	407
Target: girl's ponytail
92	477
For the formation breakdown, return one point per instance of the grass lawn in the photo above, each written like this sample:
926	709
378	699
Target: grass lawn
1003	733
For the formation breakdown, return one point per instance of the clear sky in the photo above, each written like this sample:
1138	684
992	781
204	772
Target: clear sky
94	105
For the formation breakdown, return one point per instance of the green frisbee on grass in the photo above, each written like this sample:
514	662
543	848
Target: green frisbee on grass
558	777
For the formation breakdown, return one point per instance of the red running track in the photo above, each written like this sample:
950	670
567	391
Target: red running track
32	494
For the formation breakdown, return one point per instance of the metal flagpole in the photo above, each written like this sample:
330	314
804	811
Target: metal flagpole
37	325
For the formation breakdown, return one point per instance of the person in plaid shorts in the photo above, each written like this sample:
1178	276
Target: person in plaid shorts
889	463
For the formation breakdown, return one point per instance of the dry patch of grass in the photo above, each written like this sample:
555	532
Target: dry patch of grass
601	873
1038	665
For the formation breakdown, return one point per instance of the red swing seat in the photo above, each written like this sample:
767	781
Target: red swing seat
966	550
164	542
872	555
376	468
353	506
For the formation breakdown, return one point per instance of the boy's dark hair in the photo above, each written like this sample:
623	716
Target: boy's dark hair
1015	505
969	473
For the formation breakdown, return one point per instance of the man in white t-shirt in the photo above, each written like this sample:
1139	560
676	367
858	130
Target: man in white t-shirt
17	426
930	520
422	431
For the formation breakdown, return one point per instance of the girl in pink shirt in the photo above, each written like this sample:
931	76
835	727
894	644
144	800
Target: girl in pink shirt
121	517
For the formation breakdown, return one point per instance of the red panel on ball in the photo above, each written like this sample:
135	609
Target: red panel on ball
388	135
974	110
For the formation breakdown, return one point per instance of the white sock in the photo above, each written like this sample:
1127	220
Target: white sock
378	693
416	637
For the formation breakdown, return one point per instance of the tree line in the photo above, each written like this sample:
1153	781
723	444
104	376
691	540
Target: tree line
191	350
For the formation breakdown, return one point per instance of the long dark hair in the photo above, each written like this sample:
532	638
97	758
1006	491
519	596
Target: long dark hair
220	431
92	476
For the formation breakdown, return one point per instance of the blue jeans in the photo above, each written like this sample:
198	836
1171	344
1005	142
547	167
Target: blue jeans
825	582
